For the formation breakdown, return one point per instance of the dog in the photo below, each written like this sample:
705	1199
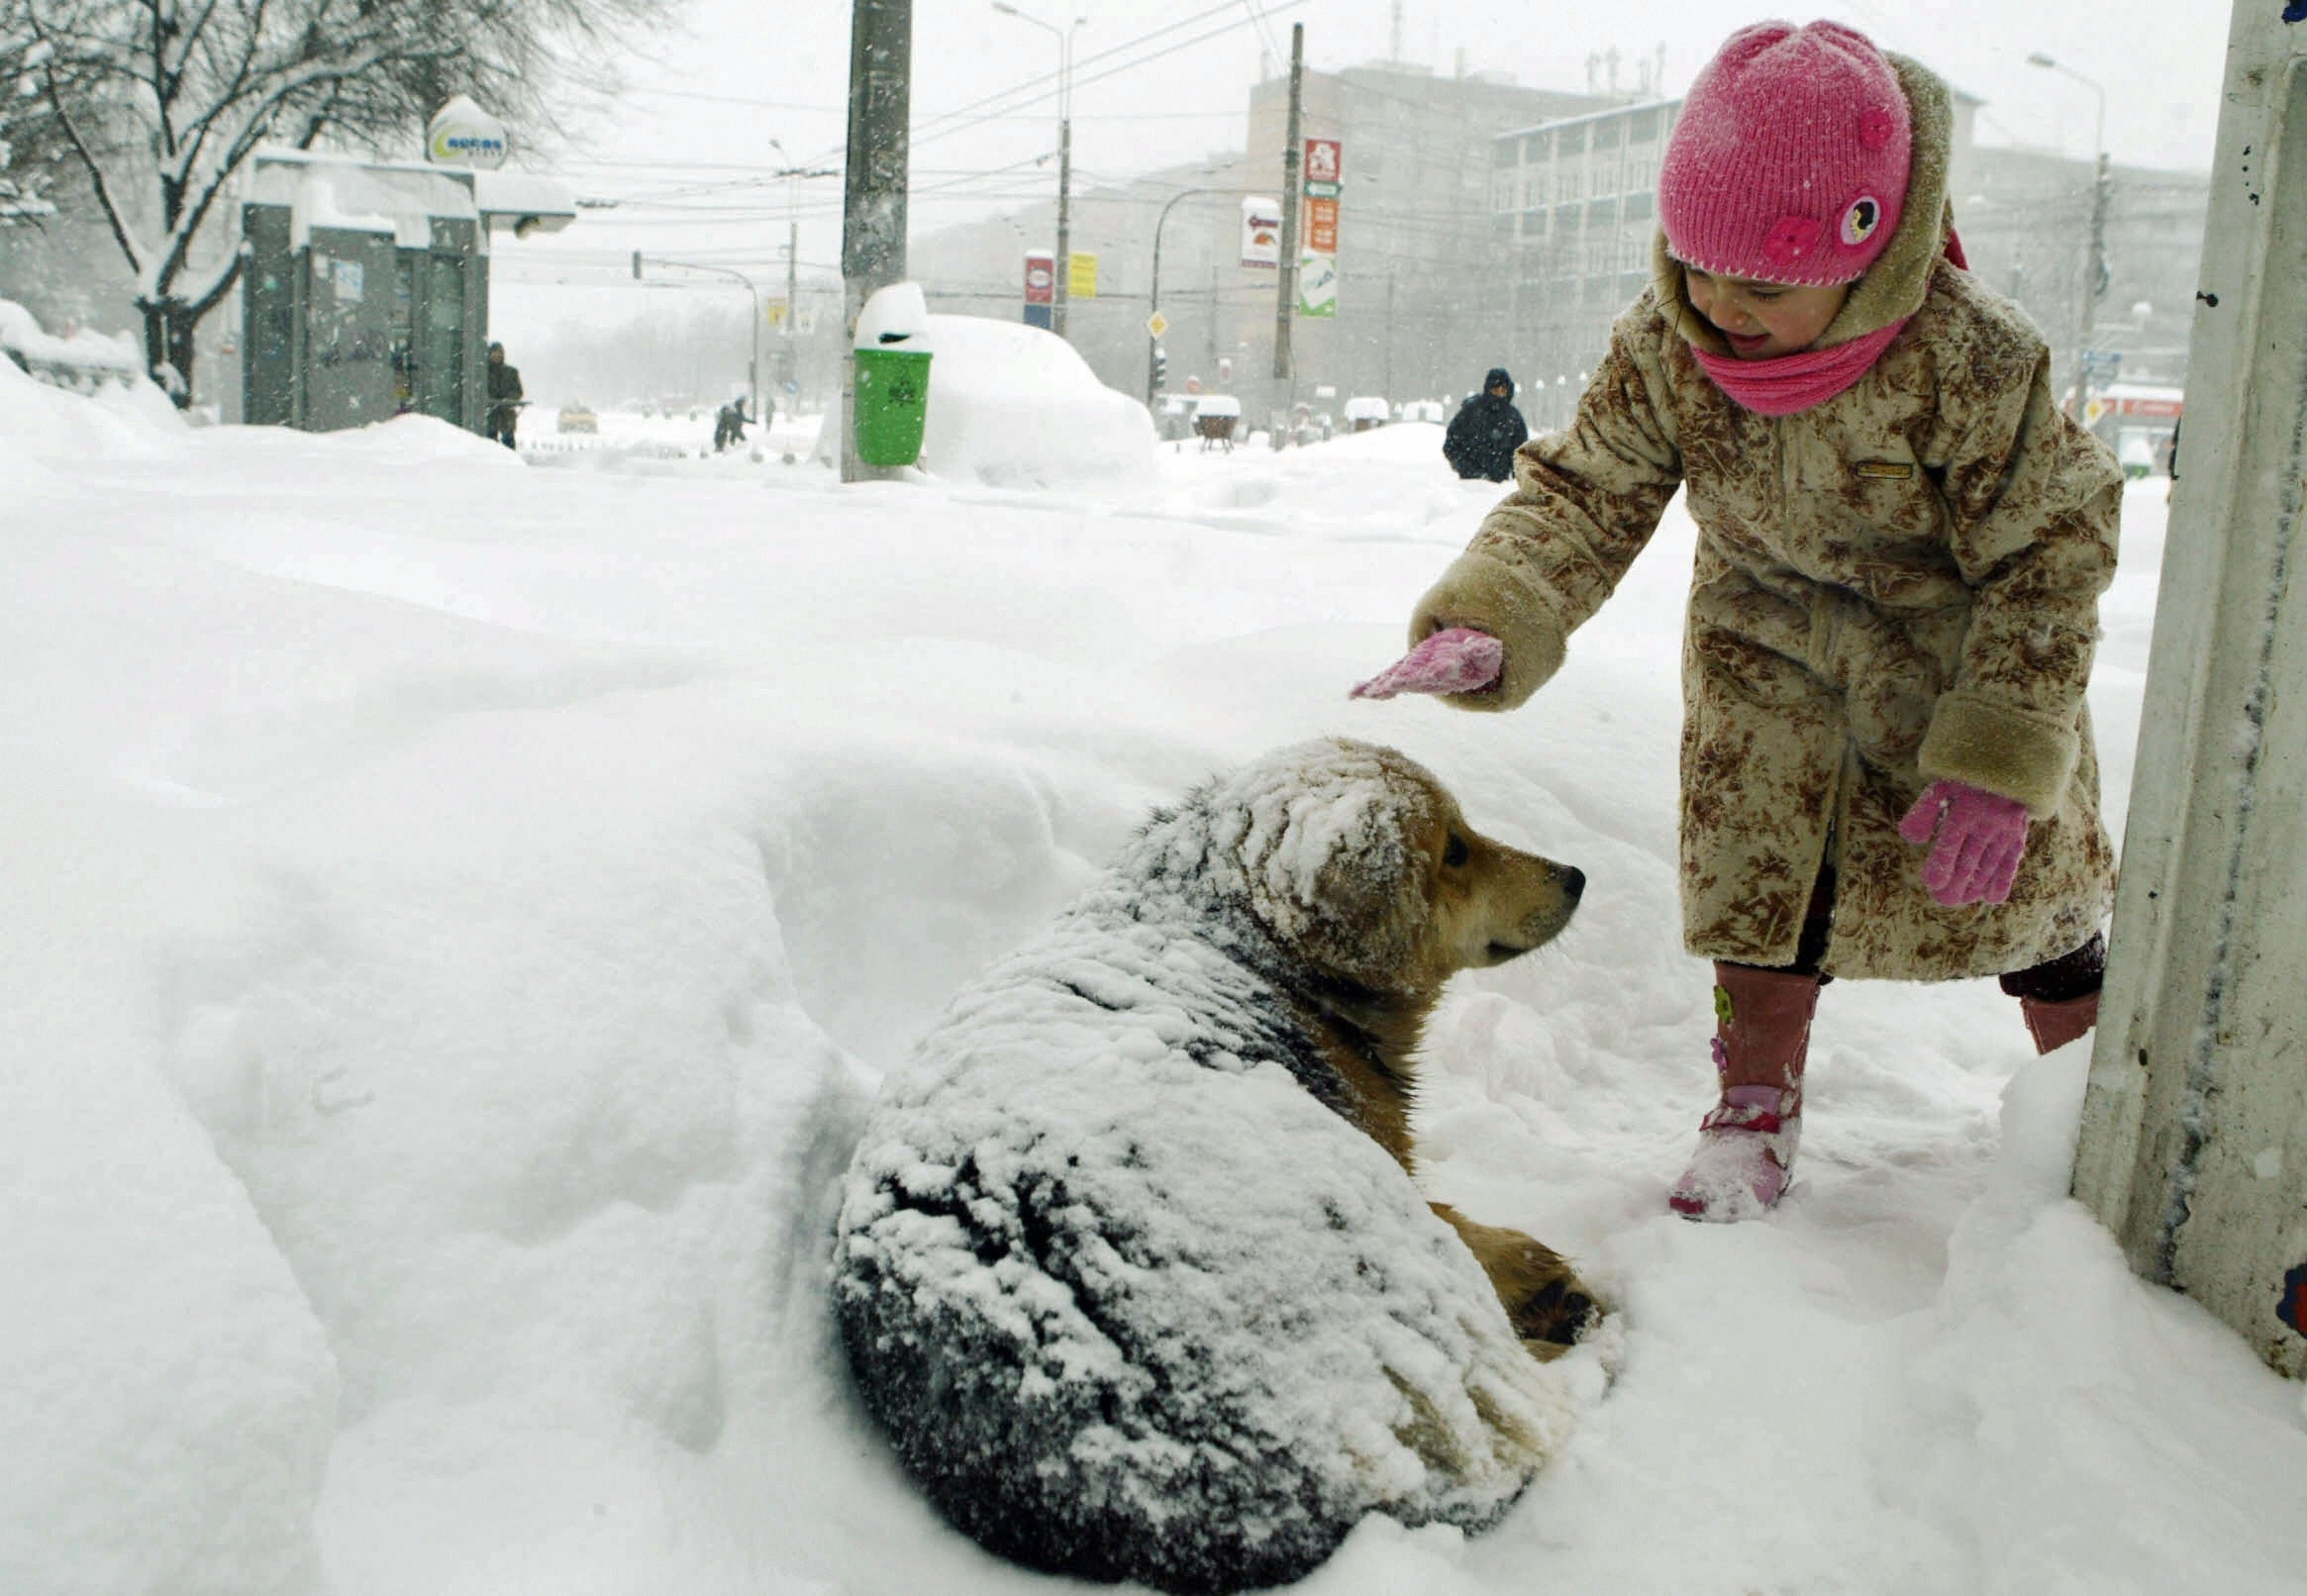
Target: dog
1129	1264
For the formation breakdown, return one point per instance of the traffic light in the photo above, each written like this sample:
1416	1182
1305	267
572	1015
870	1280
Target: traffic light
1160	369
637	265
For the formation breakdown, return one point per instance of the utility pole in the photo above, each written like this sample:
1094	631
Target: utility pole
2193	1120
2096	250
1285	306
1063	286
872	240
1063	264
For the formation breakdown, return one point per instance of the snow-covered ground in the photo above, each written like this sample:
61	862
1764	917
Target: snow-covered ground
457	910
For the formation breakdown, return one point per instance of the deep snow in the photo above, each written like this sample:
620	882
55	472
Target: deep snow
459	909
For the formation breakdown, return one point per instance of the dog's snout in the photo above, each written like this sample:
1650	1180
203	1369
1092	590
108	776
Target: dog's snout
1573	882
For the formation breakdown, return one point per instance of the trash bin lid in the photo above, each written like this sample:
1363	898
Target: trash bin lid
894	316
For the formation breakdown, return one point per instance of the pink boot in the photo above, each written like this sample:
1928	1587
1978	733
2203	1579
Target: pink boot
1746	1142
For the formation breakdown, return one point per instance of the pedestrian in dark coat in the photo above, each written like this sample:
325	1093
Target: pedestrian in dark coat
504	395
1486	431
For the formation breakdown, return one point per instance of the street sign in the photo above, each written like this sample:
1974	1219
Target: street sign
1157	324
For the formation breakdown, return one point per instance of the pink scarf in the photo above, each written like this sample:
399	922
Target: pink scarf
1790	383
1796	382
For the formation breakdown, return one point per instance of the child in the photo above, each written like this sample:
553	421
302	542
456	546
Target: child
1888	768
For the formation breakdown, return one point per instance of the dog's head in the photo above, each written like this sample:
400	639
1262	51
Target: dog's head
1358	859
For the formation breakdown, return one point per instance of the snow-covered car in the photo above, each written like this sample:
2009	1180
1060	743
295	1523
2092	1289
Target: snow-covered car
1013	405
575	418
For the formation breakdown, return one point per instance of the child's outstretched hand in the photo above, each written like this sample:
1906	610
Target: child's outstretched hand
1975	838
1455	659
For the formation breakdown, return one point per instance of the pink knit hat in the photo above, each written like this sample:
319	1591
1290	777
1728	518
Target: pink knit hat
1789	163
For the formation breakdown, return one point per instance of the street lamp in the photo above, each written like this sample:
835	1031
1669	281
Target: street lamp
2096	250
792	360
1065	261
1154	290
752	342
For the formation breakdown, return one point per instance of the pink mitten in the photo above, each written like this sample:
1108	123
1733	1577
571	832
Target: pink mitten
1975	838
1456	659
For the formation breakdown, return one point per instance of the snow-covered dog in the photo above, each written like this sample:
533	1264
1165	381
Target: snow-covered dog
1129	1264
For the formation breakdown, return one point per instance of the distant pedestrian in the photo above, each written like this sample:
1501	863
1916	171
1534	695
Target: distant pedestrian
729	425
504	395
1486	431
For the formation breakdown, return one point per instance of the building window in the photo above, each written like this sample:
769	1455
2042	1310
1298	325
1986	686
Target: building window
1571	141
1640	204
1606	133
1537	145
1643	126
1602	213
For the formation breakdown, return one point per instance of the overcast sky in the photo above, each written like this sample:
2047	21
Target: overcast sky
743	90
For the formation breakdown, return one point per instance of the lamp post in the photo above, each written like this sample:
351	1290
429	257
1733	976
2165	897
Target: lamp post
2096	250
1154	287
752	339
790	332
1065	261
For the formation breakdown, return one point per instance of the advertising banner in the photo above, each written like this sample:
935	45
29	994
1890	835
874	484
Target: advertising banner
1322	226
1323	169
1317	285
1261	232
1082	281
1041	287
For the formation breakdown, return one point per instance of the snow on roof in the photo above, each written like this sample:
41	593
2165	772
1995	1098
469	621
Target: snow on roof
360	196
403	197
512	199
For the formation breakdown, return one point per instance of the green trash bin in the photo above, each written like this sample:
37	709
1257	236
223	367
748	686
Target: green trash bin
892	400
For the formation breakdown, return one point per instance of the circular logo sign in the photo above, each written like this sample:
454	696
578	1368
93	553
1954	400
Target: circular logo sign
462	134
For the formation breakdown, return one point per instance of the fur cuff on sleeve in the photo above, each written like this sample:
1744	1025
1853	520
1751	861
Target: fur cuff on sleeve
1485	593
2016	755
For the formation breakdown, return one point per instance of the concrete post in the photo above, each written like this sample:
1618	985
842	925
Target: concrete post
872	249
2194	1138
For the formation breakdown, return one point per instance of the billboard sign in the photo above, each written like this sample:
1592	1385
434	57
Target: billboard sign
1323	167
1261	232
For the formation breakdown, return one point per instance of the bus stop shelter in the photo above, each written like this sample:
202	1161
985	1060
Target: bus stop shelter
364	294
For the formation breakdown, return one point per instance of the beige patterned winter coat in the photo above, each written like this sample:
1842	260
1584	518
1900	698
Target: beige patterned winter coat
1897	585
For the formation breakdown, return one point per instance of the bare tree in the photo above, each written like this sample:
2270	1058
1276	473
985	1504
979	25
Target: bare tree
30	135
160	102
